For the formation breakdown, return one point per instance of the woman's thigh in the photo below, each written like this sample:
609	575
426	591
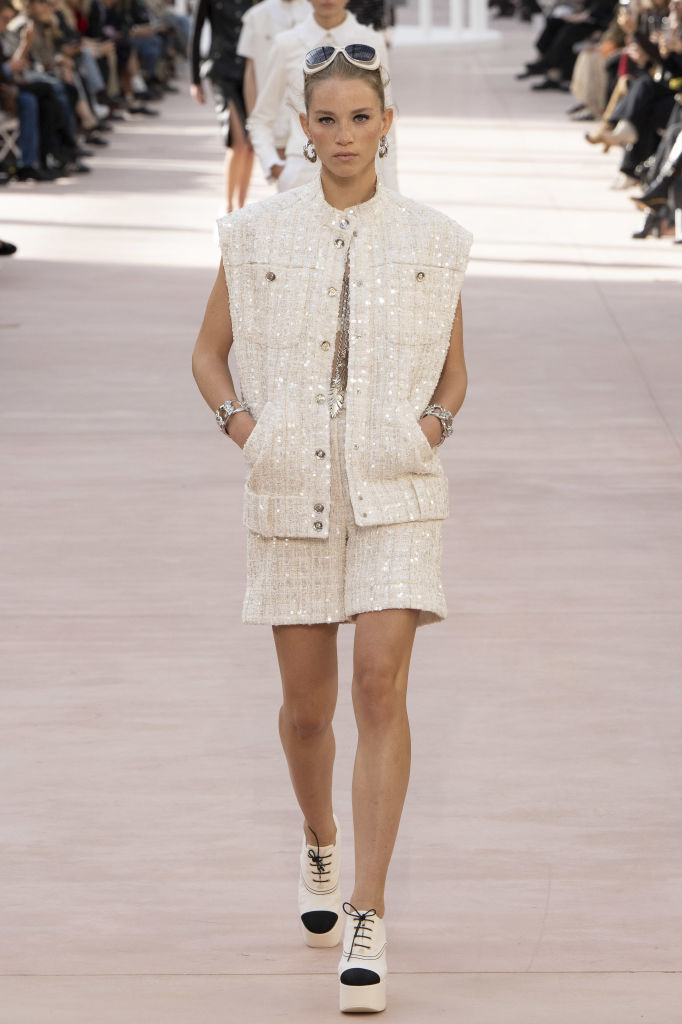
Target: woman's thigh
383	648
308	665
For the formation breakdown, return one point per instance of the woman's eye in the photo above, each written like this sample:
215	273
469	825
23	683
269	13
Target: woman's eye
325	120
362	117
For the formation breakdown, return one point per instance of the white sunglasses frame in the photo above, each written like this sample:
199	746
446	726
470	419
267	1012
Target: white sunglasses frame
372	65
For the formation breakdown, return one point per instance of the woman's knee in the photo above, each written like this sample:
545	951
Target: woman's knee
378	691
305	718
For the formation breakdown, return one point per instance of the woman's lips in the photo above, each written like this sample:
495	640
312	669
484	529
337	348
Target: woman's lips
345	156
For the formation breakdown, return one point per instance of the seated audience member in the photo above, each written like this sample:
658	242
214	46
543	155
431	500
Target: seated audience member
556	43
592	84
138	51
177	25
643	105
38	67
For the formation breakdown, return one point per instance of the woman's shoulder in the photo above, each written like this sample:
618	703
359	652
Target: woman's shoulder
432	225
423	214
265	211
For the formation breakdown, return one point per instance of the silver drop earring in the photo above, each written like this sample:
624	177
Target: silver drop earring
383	146
309	151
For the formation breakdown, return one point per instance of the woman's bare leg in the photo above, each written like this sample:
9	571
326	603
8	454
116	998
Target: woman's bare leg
308	666
238	163
381	662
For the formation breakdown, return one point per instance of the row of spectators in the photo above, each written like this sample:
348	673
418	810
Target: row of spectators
623	65
71	68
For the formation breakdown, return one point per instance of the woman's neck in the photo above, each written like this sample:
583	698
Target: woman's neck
344	192
331	20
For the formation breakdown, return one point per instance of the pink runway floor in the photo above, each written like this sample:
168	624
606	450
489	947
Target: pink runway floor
149	836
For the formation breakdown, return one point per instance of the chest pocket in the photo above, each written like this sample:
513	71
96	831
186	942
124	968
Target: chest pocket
278	299
421	289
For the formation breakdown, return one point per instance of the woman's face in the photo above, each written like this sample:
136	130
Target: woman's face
345	122
328	8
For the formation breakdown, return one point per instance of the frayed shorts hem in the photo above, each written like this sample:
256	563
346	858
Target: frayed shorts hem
427	616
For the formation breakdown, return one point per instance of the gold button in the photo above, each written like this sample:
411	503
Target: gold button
325	345
421	275
356	446
318	507
339	243
270	276
317	524
319	399
320	453
359	497
364	515
332	291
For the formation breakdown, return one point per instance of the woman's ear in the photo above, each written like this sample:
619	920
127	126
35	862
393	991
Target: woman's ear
303	118
386	120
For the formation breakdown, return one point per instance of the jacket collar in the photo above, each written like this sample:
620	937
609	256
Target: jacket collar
313	194
313	34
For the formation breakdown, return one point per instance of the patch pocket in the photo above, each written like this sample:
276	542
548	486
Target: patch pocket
422	458
257	441
268	299
432	496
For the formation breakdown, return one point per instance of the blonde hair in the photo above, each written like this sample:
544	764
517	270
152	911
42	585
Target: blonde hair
342	68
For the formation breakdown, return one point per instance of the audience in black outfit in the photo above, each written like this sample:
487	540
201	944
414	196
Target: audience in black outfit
623	63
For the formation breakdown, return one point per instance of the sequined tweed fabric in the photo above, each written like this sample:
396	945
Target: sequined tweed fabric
354	569
284	261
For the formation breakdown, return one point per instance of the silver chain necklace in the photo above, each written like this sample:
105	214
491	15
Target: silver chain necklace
339	381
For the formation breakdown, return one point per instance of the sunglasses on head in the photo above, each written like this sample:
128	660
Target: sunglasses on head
360	54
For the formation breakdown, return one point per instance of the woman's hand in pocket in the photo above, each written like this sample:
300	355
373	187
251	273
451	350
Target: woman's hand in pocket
240	426
431	429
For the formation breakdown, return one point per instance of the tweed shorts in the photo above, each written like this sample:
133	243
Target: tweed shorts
356	569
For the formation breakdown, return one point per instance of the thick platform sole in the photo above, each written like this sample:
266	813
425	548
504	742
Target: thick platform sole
323	940
363	998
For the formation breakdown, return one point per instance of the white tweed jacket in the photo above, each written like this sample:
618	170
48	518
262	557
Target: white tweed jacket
284	260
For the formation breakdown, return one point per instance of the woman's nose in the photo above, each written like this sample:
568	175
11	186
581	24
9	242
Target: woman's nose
344	135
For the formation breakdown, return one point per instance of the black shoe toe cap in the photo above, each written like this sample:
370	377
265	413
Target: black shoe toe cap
359	976
319	922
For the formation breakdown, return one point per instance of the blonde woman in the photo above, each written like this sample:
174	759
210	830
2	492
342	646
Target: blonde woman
342	301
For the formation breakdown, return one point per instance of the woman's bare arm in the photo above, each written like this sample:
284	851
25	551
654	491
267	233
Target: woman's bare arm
210	355
452	386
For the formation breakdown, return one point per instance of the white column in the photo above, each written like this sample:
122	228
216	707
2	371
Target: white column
457	15
424	19
478	15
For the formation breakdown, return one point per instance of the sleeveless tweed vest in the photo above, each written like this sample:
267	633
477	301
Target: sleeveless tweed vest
284	261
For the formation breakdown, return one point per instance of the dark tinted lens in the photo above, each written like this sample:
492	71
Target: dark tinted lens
320	54
360	51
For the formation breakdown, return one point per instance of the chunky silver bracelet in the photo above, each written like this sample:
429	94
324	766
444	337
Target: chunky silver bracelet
445	417
225	411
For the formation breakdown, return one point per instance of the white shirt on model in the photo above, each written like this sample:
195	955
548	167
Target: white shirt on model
285	84
261	24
